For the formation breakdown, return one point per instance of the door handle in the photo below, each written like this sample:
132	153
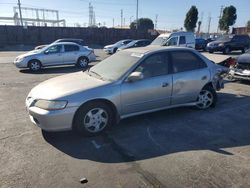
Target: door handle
165	84
204	78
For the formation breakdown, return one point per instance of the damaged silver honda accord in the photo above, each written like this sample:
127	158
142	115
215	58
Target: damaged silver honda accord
131	82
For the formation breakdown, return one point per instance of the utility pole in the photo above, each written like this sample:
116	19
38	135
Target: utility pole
156	20
20	12
221	10
124	22
137	5
113	22
121	17
209	22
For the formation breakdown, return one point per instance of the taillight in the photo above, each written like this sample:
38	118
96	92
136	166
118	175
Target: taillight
231	62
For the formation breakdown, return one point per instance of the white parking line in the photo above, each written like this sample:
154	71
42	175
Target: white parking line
97	146
153	140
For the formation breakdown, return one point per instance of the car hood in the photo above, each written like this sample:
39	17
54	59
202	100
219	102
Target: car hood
244	58
216	42
30	53
65	85
109	46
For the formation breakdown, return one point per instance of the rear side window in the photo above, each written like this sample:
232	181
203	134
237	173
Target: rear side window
182	40
186	61
71	48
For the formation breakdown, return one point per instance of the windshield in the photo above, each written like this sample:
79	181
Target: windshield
115	66
131	43
119	42
160	41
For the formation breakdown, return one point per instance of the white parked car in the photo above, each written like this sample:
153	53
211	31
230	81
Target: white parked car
181	38
111	49
63	53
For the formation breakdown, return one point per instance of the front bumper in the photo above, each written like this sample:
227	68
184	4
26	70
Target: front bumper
108	50
20	64
56	120
239	74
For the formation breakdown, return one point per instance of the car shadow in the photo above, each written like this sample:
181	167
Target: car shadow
162	133
56	70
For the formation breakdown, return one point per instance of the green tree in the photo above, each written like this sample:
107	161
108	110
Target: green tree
191	19
248	23
228	18
143	24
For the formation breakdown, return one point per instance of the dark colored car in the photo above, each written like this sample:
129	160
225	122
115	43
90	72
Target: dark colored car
226	44
77	41
200	44
135	44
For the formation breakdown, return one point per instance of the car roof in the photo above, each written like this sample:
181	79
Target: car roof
155	48
64	43
69	39
141	40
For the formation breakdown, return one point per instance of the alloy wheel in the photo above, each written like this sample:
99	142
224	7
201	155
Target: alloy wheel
205	99
96	120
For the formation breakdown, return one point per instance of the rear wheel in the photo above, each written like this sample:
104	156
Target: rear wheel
211	51
34	65
207	98
82	62
93	118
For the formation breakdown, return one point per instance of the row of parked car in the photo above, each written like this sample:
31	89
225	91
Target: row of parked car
224	44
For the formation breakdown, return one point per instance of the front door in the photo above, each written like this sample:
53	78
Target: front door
52	56
152	91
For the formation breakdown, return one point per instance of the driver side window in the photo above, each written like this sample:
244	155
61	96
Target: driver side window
172	41
155	65
54	49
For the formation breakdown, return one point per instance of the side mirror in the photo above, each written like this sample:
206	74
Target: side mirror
135	76
46	52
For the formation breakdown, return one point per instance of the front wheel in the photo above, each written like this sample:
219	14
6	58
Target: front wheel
35	65
93	118
82	62
207	98
244	50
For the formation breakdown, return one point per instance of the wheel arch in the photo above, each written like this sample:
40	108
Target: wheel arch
101	100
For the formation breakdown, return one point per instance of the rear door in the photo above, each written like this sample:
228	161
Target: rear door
182	41
151	92
190	74
71	53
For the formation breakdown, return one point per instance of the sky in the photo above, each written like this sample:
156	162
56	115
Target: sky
171	13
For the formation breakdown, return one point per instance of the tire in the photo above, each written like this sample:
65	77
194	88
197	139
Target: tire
207	98
226	50
82	62
244	50
114	51
204	49
93	118
34	65
211	51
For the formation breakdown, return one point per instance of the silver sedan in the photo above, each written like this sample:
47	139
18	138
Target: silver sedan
131	82
63	53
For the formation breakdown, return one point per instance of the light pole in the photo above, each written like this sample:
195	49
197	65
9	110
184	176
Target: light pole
137	5
20	12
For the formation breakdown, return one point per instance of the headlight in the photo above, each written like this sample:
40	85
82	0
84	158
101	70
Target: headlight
50	105
20	59
221	44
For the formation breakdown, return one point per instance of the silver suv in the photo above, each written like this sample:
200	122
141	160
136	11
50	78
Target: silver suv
131	82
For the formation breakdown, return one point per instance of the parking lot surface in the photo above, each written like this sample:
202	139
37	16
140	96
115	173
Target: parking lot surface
181	147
